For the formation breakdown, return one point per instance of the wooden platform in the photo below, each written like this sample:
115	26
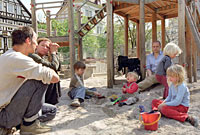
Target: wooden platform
163	9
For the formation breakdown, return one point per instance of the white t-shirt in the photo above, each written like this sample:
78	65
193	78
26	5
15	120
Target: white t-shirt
15	69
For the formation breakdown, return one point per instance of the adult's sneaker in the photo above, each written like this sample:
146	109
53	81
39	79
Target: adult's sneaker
35	128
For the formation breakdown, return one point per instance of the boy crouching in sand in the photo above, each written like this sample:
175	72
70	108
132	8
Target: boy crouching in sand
129	90
77	91
176	105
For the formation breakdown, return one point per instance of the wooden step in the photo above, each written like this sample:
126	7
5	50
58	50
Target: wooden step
94	21
104	4
81	33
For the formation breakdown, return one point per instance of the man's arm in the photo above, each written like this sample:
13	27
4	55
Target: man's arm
54	64
148	67
55	78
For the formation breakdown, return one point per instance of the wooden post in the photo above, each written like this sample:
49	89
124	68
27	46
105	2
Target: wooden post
142	39
110	45
80	47
181	30
154	27
189	53
194	59
163	33
48	21
138	39
71	35
126	35
34	18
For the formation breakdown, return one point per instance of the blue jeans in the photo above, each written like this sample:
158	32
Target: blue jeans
77	93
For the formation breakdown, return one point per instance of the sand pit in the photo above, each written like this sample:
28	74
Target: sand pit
91	119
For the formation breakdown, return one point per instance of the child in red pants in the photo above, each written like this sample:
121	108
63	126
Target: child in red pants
176	104
171	50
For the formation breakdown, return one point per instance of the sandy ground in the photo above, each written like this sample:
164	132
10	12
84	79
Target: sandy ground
90	119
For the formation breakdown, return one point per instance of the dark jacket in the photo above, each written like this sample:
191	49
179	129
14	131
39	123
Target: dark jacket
54	91
163	65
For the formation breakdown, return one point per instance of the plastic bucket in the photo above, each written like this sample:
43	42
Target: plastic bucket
150	120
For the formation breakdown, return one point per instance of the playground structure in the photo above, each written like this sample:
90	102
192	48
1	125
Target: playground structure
141	11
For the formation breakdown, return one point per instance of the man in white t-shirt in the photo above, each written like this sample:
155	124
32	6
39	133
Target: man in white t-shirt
23	83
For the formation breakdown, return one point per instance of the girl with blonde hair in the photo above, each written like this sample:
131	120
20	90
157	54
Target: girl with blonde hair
171	50
176	105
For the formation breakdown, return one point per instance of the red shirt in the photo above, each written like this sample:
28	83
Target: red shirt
131	87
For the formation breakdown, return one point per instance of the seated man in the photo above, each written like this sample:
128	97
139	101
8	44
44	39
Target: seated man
23	83
152	61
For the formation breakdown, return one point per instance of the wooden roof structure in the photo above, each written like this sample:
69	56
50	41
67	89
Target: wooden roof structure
164	9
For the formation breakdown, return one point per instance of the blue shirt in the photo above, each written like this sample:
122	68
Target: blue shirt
152	62
179	95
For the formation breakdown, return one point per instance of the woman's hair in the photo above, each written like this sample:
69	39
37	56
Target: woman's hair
171	49
134	74
79	65
43	39
177	71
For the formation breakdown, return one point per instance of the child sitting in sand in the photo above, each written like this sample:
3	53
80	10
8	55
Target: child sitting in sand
129	90
77	91
176	105
171	50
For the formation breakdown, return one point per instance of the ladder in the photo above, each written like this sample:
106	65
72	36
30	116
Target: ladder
92	21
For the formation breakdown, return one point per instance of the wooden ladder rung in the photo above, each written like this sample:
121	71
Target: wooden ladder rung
104	7
87	27
81	33
94	21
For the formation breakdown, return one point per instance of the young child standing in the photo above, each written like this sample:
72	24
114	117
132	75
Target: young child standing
171	50
129	90
77	91
176	105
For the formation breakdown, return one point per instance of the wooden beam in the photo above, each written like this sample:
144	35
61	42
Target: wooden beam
163	33
138	39
168	1
80	48
110	45
124	8
193	28
71	35
128	1
166	8
48	22
154	27
181	30
133	10
135	1
150	1
142	39
153	10
34	17
189	53
126	35
194	59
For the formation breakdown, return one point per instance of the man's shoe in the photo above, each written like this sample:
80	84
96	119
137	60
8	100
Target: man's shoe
35	128
75	103
4	131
